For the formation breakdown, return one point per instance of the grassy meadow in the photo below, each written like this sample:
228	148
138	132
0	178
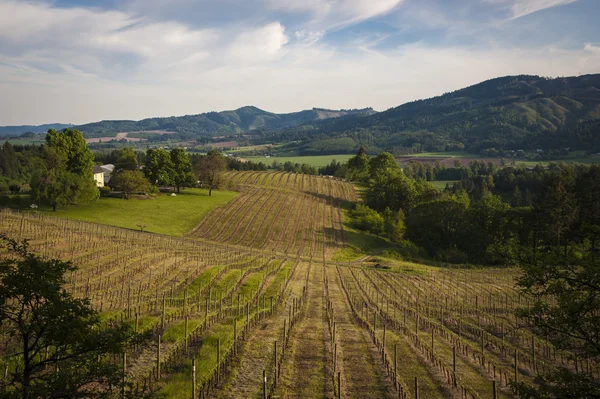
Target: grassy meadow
316	160
164	214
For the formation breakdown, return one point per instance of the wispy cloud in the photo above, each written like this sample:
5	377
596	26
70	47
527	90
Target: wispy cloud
521	8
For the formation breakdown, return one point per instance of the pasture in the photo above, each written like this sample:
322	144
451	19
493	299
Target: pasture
162	214
316	160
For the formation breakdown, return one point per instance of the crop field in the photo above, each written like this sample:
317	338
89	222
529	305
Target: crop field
251	304
288	213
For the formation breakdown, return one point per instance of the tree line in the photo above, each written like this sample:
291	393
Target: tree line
60	172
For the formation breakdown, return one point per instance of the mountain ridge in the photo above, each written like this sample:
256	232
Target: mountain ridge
242	120
506	112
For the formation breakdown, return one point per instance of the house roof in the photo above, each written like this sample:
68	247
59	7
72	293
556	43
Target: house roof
98	169
108	169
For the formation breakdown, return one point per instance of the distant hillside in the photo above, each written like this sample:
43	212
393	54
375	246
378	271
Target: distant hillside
242	120
18	130
503	113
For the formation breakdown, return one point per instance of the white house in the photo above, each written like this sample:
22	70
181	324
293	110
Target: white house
108	170
99	176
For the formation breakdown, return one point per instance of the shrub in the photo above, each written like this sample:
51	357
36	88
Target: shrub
14	188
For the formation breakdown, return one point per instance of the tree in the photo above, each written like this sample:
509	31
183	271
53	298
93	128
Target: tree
209	169
358	166
391	188
566	310
61	345
130	181
55	184
368	219
159	168
556	207
71	146
439	225
183	176
9	165
393	224
126	160
384	162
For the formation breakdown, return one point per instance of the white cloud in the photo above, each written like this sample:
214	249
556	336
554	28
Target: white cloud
263	43
592	48
521	8
330	14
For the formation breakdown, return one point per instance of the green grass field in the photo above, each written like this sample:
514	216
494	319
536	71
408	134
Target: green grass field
164	214
316	161
441	184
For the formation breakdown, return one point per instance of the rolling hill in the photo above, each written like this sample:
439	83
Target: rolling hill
242	120
510	112
17	130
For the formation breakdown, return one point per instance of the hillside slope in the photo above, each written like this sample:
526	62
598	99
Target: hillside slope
509	112
242	120
17	130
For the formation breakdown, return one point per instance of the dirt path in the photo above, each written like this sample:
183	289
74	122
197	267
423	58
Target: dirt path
363	375
307	373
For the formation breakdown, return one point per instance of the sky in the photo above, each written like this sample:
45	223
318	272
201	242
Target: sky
79	61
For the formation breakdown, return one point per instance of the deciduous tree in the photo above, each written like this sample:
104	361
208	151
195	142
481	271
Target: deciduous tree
59	341
182	167
159	167
209	169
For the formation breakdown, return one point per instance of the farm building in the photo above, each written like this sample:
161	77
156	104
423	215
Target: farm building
108	170
99	176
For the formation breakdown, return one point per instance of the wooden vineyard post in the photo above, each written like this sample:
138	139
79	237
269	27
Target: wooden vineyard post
186	333
264	384
235	335
432	342
454	364
533	362
383	346
275	356
494	392
339	380
482	348
124	374
416	387
218	358
162	320
516	366
193	378
395	364
334	356
158	360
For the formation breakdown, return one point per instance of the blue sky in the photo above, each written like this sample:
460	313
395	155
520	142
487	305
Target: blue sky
88	60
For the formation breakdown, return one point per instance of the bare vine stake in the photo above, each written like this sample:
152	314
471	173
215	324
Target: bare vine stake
193	378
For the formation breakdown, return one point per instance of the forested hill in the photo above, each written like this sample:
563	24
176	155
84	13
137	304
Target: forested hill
513	112
241	120
17	130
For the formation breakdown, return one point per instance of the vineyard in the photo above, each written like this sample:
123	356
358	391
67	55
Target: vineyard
250	305
294	214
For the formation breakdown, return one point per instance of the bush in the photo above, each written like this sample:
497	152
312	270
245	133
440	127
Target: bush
3	189
365	218
104	191
14	188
